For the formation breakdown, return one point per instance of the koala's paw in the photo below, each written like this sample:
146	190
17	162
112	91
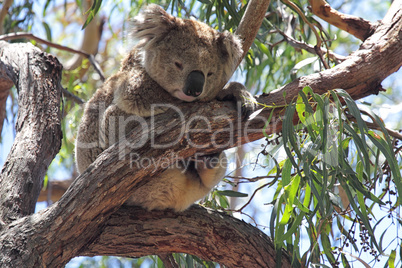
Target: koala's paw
248	104
245	101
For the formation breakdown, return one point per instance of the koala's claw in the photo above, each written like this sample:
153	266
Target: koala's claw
248	106
245	101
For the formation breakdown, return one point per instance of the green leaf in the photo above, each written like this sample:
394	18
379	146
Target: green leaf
295	225
232	193
48	31
288	136
389	155
391	259
286	171
307	196
292	189
92	12
286	215
45	7
207	2
307	114
345	261
326	245
300	206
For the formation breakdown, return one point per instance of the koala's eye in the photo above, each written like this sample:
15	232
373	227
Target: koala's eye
179	65
210	73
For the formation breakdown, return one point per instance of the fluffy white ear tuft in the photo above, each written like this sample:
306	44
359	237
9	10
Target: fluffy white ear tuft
152	24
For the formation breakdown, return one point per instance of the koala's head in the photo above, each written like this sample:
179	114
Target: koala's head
187	58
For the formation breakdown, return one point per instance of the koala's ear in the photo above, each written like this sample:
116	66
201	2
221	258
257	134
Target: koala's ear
152	24
231	51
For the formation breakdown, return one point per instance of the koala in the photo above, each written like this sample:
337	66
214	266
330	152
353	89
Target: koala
175	61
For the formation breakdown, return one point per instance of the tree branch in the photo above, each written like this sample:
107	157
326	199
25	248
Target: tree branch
90	57
212	235
311	49
38	128
251	23
306	21
358	27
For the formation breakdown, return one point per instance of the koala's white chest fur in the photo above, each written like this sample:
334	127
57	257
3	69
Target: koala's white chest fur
176	60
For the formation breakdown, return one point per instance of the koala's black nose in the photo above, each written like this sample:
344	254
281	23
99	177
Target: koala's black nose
194	84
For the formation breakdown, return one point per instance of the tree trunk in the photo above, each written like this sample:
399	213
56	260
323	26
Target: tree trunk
37	78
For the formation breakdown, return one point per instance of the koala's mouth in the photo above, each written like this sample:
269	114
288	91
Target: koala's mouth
181	96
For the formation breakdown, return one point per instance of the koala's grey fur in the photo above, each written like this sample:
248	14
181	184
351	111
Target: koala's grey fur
175	60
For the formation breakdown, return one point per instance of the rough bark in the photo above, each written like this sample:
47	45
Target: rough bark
89	212
37	78
250	24
208	234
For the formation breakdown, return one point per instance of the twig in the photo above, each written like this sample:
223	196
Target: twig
71	96
254	193
376	126
90	57
317	48
309	48
253	179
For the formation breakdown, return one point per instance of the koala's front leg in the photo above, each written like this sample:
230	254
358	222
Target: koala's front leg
237	92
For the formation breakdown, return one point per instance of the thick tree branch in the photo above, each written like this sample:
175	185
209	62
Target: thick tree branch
36	76
229	241
251	23
358	27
